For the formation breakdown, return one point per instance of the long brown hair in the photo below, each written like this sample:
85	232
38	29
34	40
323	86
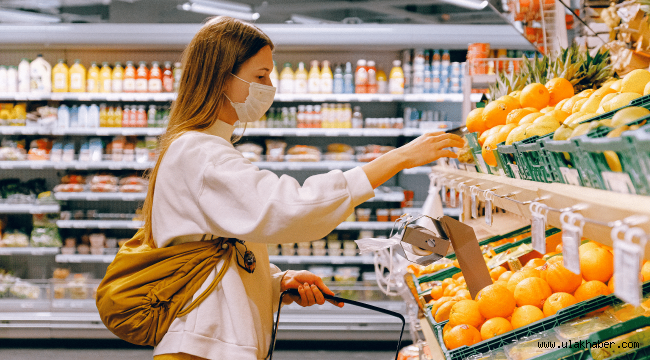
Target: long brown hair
220	47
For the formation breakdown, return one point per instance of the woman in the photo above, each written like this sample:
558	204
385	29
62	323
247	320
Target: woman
202	185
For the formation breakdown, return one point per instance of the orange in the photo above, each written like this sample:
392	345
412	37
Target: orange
591	289
436	292
461	279
542	271
535	95
445	329
532	291
442	313
526	315
505	276
446	282
466	312
451	290
438	303
587	246
558	301
494	327
502	283
486	151
610	284
496	272
486	134
568	105
597	264
560	279
495	301
495	113
461	335
464	294
555	259
505	130
559	89
475	122
645	271
533	263
513	103
519	276
518	114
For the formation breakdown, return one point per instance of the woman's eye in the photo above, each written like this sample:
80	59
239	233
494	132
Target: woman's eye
260	77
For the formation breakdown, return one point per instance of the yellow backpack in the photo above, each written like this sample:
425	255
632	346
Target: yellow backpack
145	289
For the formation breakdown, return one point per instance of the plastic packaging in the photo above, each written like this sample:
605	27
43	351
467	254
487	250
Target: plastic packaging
92	79
326	78
105	78
155	84
286	80
252	152
581	329
361	77
337	85
530	347
77	77
24	76
142	78
275	150
303	153
168	78
128	84
60	77
348	79
117	78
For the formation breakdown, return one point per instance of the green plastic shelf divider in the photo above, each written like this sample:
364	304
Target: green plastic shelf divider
475	147
507	159
641	140
532	157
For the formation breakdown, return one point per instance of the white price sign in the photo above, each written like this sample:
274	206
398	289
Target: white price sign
452	197
572	225
618	182
445	199
474	201
571	176
538	227
627	262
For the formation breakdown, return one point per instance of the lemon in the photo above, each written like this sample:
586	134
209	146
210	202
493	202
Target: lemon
562	133
541	129
606	122
560	104
528	119
547	109
578	105
584	128
547	120
604	90
568	106
585	93
613	161
635	81
616	85
646	89
577	120
517	134
608	97
629	114
620	101
592	104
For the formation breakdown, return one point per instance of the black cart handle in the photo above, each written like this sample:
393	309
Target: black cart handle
336	299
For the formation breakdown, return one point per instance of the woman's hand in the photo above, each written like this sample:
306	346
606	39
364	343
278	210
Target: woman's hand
310	287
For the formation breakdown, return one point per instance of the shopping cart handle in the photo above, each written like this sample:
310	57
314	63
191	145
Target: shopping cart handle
336	299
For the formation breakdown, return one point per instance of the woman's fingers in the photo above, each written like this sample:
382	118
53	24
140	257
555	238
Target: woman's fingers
309	295
446	153
321	285
318	295
449	143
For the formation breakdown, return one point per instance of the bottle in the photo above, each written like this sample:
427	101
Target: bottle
24	76
348	79
63	115
293	117
300	79
105	78
104	120
141	120
326	78
141	77
117	78
133	116
117	117
110	117
286	80
129	78
396	81
382	82
168	78
372	77
275	77
93	116
309	116
151	116
337	85
408	71
300	117
126	116
427	73
313	85
74	116
178	75
40	76
12	79
361	77
92	80
155	78
3	79
77	77
417	87
59	77
357	118
347	113
82	116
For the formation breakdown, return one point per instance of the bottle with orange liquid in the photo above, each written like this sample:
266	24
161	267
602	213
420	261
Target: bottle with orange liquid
142	78
105	75
129	78
155	78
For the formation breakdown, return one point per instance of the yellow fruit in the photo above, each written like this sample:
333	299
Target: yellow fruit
608	97
465	294
635	81
520	275
561	104
557	302
559	115
526	315
591	289
592	104
586	93
646	89
606	122
460	335
436	292
534	95
560	279
597	264
583	129
495	301
495	327
542	126
562	133
442	314
616	85
485	134
645	271
466	312
629	114
515	94
586	247
604	90
528	119
619	101
505	130
534	263
547	119
495	113
568	106
438	303
475	122
517	134
578	105
505	276
513	103
532	291
559	89
447	282
516	115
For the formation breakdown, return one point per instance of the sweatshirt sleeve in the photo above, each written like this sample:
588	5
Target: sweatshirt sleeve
241	201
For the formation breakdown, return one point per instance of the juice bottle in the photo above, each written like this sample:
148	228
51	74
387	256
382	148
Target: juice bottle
12	79
382	82
155	78
117	78
286	80
408	71
103	116
24	76
348	79
117	117
77	77
314	78
275	77
337	85
3	79
361	77
141	117
93	116
60	77
93	78
40	75
428	75
110	117
300	79
372	77
396	81
178	74
126	116
326	78
141	77
168	77
129	78
133	116
105	78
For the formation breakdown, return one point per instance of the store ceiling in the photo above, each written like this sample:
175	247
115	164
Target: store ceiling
269	11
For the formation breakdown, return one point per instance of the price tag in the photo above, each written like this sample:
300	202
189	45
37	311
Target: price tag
488	212
113	165
92	197
60	166
618	182
81	166
57	97
84	97
538	233
128	132
129	197
571	235
37	165
515	171
102	132
4	251
445	199
332	133
103	225
474	202
452	197
21	96
276	133
481	163
571	176
627	262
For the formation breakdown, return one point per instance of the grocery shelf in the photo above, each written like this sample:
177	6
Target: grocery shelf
365	225
29	250
84	259
335	260
95	196
75	165
99	224
29	209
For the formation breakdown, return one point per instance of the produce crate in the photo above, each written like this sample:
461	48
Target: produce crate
481	165
532	159
641	140
565	315
561	158
507	159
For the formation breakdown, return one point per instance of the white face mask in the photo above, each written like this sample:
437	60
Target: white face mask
259	100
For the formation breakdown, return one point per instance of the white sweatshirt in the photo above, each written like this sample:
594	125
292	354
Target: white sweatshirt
206	186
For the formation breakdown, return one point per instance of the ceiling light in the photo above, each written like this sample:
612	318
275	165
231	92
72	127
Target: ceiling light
239	11
469	4
17	16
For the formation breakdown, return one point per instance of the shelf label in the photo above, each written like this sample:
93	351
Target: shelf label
128	132
515	171
104	225
129	197
21	97
37	165
102	132
57	97
488	212
81	166
6	165
4	251
112	97
627	262
293	260
37	251
60	166
160	97
452	197
92	197
332	133
303	132
571	176
276	133
84	97
128	97
538	230
481	163
618	182
337	260
115	165
572	225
